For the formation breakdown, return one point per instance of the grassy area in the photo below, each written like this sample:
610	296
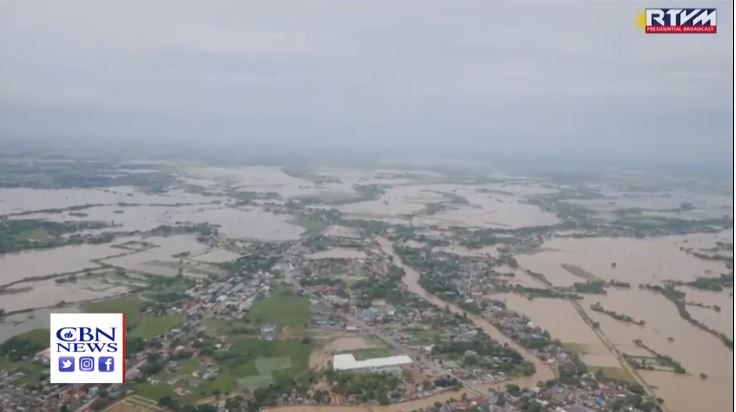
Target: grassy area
219	327
580	272
151	326
294	349
30	373
39	337
187	366
313	225
155	392
613	372
423	336
132	306
164	285
267	365
283	308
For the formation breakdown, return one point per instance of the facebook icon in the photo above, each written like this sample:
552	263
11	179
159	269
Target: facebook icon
105	364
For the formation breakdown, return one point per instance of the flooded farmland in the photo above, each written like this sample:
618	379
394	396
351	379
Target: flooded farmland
630	260
697	351
35	263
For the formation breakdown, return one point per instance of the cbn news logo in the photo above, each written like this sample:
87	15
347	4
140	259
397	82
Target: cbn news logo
87	348
679	21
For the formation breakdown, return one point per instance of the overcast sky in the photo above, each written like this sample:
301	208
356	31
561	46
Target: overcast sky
517	77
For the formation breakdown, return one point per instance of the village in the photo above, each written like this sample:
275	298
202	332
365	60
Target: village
260	337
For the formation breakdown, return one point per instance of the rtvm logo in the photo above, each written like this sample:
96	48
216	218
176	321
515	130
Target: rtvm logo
87	348
680	21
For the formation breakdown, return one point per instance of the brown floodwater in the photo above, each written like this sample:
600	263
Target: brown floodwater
649	260
697	351
32	263
573	332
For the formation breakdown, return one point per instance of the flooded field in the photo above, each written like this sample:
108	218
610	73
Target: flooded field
270	179
167	257
637	261
250	223
562	321
35	263
720	318
216	256
122	218
43	293
457	205
18	323
697	351
664	203
485	251
15	200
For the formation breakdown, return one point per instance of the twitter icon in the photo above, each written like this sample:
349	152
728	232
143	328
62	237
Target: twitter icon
66	364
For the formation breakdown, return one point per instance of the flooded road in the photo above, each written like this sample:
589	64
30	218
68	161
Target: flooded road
411	280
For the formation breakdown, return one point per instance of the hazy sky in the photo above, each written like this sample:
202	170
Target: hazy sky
517	77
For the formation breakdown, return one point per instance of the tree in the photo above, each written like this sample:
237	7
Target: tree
167	402
513	389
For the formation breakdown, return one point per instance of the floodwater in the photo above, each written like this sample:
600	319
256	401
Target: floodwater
34	263
216	256
160	260
697	351
562	321
638	261
248	223
485	251
663	203
14	200
520	277
123	219
48	292
722	320
271	179
411	280
478	208
18	323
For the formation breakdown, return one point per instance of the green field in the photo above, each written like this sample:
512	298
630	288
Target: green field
313	225
218	327
132	306
248	365
283	308
30	372
424	336
151	326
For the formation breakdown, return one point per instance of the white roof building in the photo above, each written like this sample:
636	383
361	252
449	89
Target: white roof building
346	362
